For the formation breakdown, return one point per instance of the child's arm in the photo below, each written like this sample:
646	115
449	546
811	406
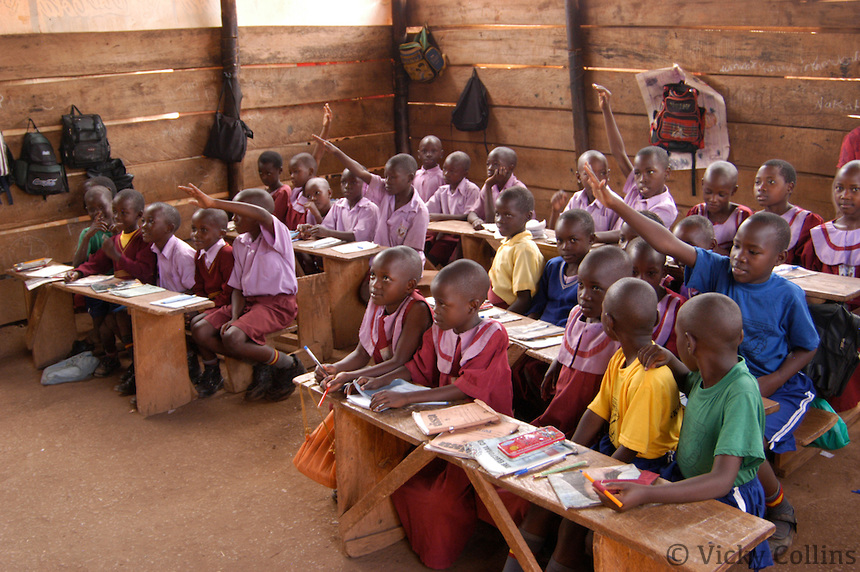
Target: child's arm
796	361
142	266
558	201
441	216
652	232
523	302
616	142
319	149
81	253
547	386
237	301
354	166
392	399
589	426
320	231
254	212
328	373
476	221
654	356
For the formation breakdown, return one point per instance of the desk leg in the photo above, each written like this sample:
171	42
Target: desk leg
160	364
51	327
365	456
503	521
476	248
344	279
610	556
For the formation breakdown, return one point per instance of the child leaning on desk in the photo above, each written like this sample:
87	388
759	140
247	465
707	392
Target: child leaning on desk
721	443
462	356
351	218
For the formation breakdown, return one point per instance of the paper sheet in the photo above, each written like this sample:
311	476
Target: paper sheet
351	247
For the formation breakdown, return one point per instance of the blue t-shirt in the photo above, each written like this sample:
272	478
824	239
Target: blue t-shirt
555	297
776	317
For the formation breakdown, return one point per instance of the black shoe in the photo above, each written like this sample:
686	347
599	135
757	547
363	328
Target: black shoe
284	386
261	383
126	385
81	346
107	366
193	367
210	382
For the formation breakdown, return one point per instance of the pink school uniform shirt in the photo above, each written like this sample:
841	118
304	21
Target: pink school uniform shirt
604	218
406	225
427	181
662	204
585	346
361	220
175	265
381	331
724	233
478	206
458	200
265	266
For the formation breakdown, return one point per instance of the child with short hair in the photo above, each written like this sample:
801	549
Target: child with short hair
263	299
129	257
462	356
270	166
213	264
779	336
429	177
697	231
650	266
501	163
175	257
604	219
645	188
317	192
303	167
97	200
518	263
393	325
100	181
719	185
773	186
720	446
626	232
351	218
451	201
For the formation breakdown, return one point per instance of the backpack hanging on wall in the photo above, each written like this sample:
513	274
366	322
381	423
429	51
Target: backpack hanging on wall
421	58
84	142
37	171
679	124
472	112
228	137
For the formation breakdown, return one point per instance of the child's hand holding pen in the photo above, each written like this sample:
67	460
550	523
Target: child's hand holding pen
71	276
630	495
202	199
337	380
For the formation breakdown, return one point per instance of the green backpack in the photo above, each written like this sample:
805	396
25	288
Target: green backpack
422	58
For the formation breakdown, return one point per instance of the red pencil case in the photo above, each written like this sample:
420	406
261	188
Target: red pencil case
532	441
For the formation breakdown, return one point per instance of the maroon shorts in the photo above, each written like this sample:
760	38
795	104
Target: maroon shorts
262	316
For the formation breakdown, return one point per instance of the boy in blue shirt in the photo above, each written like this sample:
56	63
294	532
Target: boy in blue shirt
779	336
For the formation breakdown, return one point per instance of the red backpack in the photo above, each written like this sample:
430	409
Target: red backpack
679	125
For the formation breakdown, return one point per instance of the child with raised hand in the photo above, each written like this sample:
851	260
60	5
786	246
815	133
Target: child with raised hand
779	336
270	166
303	167
393	325
720	446
604	218
774	183
351	218
834	248
452	201
462	357
263	299
128	257
645	188
501	163
650	266
429	176
518	263
719	185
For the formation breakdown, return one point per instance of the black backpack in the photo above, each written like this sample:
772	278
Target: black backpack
37	171
472	112
84	142
836	359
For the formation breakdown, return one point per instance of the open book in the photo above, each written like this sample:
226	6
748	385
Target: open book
455	444
487	453
363	396
453	418
575	491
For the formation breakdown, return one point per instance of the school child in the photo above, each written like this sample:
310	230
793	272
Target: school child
573	378
263	299
626	232
639	407
774	184
697	231
719	185
720	446
604	219
462	356
834	248
317	193
100	181
97	200
779	336
393	325
452	201
270	166
501	163
650	266
303	168
429	176
175	257
518	263
213	263
351	218
128	256
645	188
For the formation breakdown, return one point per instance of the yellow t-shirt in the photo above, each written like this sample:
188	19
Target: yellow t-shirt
518	266
642	407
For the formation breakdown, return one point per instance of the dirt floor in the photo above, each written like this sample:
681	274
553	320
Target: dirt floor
86	483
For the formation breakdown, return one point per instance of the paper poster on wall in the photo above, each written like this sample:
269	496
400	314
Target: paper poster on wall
716	133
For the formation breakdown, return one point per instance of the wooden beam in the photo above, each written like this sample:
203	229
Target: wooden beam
401	80
232	100
573	11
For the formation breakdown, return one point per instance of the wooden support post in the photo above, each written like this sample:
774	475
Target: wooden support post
401	80
230	63
573	11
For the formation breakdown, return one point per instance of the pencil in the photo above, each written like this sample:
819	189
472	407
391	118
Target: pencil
313	357
546	473
325	393
602	489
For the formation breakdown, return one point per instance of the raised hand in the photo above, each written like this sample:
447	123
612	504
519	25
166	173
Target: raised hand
202	199
604	96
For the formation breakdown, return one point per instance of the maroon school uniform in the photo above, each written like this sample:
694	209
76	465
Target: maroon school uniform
137	260
801	221
211	281
283	205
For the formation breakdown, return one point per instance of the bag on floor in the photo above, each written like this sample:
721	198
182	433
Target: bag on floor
84	142
76	368
37	171
315	458
837	436
421	58
836	359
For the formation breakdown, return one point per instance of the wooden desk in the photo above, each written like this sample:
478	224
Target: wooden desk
345	274
820	286
375	457
475	242
160	364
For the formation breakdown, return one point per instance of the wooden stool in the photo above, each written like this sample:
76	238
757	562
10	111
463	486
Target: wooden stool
426	280
815	423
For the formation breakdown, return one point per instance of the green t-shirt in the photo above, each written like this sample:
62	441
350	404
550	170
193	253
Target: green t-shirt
95	242
725	419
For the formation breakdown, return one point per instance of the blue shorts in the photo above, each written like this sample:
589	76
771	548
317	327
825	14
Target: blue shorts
749	497
794	398
661	465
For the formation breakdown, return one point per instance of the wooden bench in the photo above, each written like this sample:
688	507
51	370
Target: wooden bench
815	423
426	280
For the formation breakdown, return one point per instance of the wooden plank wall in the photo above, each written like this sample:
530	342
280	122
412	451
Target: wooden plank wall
788	71
157	91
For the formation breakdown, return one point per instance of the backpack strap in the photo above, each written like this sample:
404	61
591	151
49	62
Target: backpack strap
74	109
227	77
33	123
